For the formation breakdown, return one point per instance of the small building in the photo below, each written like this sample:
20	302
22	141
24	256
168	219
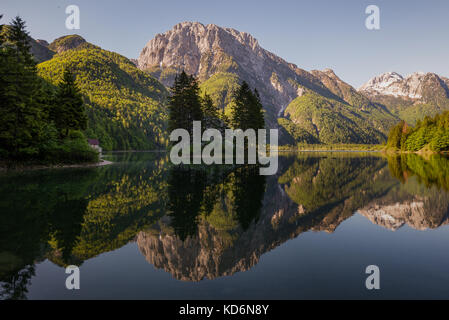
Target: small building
95	144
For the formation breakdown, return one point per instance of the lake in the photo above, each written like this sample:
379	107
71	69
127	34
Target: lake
143	229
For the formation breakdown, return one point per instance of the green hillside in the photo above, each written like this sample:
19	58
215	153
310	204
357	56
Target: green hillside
312	118
125	106
409	110
221	87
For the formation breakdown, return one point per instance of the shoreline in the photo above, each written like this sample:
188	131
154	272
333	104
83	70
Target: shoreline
56	166
330	150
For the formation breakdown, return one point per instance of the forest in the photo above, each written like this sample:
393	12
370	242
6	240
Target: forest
39	122
430	134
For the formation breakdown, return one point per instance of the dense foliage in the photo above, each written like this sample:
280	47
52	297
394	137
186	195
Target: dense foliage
38	123
125	106
247	110
221	87
434	101
188	104
185	104
429	134
312	118
433	171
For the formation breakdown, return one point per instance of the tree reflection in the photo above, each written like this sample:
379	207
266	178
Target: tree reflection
430	170
195	193
14	286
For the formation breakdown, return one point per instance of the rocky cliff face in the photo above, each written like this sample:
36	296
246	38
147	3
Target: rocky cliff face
40	50
341	89
410	98
205	50
417	86
223	57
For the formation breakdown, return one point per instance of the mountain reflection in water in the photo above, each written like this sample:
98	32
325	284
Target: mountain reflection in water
197	224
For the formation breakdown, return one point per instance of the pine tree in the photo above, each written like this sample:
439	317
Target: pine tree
185	105
20	115
247	110
211	117
240	108
395	136
68	112
256	112
209	109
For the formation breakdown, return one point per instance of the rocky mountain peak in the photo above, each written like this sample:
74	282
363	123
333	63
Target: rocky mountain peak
413	86
43	42
65	43
207	50
187	42
394	84
381	81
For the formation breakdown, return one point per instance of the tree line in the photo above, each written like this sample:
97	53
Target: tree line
187	104
38	121
430	134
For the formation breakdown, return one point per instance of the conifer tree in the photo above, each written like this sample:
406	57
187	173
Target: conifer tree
395	136
68	112
240	108
185	103
20	114
256	112
247	110
211	116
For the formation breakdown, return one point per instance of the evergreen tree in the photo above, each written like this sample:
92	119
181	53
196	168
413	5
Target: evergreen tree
185	103
68	112
247	110
29	108
211	116
256	112
395	136
20	115
209	109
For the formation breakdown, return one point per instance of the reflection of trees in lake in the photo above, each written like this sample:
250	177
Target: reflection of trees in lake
431	170
334	186
69	216
185	191
227	243
14	286
195	194
314	192
420	200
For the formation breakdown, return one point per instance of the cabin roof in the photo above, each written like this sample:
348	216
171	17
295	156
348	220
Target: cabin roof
93	142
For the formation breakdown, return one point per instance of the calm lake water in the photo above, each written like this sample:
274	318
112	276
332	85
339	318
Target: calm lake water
142	229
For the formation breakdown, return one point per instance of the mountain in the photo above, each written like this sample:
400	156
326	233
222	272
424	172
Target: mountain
349	117
223	57
39	48
211	50
125	106
412	97
69	42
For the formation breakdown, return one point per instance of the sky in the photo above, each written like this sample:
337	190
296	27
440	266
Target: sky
318	34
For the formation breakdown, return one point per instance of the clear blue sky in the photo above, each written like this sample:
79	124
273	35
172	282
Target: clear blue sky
317	34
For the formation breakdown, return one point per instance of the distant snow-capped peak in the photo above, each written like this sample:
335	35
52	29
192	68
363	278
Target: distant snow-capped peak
393	84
